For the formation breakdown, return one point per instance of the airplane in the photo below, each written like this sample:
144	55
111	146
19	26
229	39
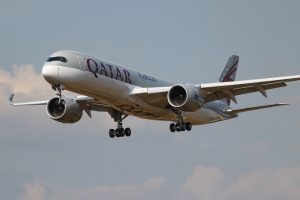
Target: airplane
121	92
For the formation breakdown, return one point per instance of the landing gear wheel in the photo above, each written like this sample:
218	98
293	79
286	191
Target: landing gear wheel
112	133
178	127
188	126
122	132
128	132
172	127
117	133
182	127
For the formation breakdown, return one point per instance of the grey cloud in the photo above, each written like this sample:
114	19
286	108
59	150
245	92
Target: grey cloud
34	191
24	81
205	183
209	183
39	191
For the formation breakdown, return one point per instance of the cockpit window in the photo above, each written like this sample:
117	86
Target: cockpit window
57	58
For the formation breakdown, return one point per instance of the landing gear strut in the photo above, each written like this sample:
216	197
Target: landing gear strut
180	125
58	88
119	131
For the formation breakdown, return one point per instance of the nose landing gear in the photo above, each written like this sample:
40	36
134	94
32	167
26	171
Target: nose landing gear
58	88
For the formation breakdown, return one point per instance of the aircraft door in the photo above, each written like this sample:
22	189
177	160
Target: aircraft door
81	62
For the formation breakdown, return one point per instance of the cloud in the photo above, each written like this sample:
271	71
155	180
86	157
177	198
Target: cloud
267	184
34	191
209	183
146	190
204	183
24	81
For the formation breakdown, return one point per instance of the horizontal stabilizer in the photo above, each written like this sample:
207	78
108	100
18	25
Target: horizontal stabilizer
254	108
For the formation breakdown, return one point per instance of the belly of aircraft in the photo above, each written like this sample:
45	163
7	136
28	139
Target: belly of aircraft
116	93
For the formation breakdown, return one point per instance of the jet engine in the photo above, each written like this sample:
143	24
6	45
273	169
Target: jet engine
185	97
67	110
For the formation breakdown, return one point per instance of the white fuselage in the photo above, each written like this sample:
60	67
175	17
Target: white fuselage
111	84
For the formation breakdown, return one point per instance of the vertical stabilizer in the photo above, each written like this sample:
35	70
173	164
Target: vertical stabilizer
229	72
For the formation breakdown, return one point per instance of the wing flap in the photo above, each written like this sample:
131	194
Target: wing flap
151	90
89	103
231	85
211	96
156	96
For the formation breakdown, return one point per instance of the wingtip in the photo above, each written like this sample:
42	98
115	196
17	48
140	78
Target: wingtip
10	99
283	104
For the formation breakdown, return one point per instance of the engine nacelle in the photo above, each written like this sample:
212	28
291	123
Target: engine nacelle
65	111
185	97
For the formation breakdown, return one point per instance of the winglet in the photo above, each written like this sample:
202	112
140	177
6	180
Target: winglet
10	99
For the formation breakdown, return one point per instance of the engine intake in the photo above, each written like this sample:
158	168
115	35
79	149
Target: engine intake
185	97
65	111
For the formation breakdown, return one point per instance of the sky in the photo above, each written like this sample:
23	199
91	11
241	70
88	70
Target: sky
255	156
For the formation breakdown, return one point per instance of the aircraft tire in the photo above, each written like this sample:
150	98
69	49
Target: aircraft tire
122	132
182	127
178	127
111	133
117	133
128	132
172	127
188	126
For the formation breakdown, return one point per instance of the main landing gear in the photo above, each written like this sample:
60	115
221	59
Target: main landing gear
119	131
180	125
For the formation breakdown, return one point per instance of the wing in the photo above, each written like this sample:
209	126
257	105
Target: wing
216	91
33	103
236	111
88	104
156	96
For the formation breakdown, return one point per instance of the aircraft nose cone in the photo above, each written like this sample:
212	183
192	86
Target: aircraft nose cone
50	73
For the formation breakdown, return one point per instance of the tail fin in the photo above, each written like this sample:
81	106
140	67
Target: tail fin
229	72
